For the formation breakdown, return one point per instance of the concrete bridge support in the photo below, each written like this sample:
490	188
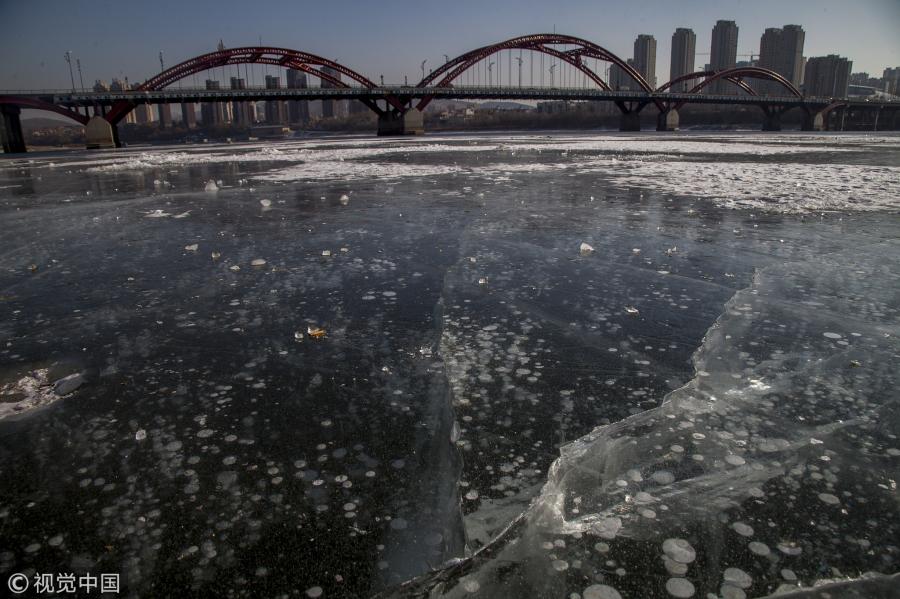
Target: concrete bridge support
813	121
772	118
408	123
11	129
100	133
667	121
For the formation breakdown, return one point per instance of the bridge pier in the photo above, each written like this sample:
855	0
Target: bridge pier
408	123
813	121
772	118
100	133
11	129
667	121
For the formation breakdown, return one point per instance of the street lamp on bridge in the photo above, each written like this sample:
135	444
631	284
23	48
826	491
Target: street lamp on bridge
68	56
490	74
519	60
423	68
552	70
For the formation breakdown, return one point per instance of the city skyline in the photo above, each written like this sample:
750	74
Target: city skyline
376	45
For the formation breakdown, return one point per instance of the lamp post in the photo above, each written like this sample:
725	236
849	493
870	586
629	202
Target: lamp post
490	74
68	56
80	77
552	69
519	60
423	69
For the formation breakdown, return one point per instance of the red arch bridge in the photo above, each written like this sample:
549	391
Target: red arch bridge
581	67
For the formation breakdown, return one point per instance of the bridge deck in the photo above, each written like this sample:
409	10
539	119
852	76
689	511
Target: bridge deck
176	95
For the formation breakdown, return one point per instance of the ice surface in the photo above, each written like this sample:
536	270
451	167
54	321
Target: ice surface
772	389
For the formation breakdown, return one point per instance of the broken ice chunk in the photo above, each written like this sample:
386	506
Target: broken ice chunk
631	310
67	384
345	199
192	248
265	203
211	186
257	262
140	435
585	248
216	255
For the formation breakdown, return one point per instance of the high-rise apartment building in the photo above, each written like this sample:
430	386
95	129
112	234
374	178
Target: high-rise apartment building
117	85
645	57
189	115
243	113
332	108
827	76
723	54
891	78
684	55
781	50
619	80
212	113
298	110
276	111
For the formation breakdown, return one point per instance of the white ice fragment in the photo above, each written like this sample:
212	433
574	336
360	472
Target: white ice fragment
192	247
257	262
745	530
631	310
585	248
211	186
234	268
344	200
265	203
326	253
314	592
831	335
758	548
140	435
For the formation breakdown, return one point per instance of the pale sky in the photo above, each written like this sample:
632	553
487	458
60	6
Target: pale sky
391	38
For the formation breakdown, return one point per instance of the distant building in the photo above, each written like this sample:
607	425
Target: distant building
298	110
723	55
99	86
243	113
827	76
164	111
781	50
276	111
620	80
117	85
332	108
212	113
189	115
684	42
645	57
891	79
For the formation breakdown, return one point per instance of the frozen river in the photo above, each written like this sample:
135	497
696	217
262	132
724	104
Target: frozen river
562	366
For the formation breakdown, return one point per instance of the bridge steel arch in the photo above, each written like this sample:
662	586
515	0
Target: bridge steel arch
444	75
736	75
703	75
280	57
35	104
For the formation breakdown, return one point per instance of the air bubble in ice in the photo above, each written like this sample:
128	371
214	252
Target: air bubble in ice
831	335
560	565
608	527
680	587
829	498
745	530
314	592
663	477
600	591
679	550
737	577
758	548
398	524
735	460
